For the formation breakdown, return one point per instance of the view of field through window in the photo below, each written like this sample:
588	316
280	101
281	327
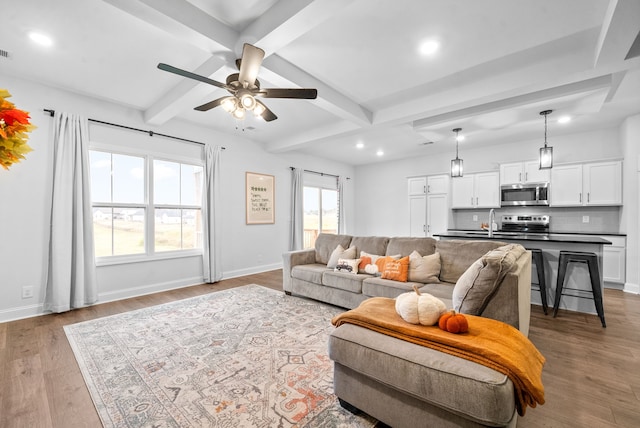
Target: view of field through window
122	218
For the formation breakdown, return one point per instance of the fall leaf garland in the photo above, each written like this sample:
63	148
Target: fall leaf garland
14	127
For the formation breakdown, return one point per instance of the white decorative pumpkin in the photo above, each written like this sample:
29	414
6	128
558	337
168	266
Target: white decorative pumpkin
419	308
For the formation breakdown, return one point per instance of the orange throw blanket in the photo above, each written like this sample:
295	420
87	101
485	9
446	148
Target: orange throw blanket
489	342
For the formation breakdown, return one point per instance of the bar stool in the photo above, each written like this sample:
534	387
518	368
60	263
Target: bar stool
536	257
591	260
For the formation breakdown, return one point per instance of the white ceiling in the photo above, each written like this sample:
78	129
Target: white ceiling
500	63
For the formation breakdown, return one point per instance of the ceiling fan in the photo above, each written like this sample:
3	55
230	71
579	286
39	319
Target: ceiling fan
244	87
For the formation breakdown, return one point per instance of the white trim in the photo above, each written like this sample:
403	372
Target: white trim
21	312
250	271
631	288
143	290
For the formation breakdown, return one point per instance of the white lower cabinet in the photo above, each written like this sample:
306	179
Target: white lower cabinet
417	215
614	259
437	214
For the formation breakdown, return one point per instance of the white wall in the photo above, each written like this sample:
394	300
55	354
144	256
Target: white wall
25	197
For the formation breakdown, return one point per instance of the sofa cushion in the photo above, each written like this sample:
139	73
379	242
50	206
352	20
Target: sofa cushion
396	270
424	269
341	253
441	290
405	246
344	281
457	255
375	286
370	244
311	273
476	286
326	243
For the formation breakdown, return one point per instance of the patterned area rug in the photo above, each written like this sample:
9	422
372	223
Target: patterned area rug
244	357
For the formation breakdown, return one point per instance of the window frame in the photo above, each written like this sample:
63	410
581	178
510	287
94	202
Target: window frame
150	254
317	184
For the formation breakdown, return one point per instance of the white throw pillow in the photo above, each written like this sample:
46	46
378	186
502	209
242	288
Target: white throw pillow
347	266
425	269
341	253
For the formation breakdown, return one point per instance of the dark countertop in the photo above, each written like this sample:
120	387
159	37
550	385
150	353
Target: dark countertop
514	236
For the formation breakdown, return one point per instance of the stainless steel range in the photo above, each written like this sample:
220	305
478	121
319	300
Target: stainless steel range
536	223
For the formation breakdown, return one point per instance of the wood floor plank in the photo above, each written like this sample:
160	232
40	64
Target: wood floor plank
591	378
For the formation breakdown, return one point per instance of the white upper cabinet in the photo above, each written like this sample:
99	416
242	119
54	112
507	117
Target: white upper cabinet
438	184
480	190
598	183
523	172
417	185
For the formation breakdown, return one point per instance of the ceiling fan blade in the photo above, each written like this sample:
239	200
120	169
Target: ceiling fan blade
210	104
190	75
250	64
267	114
307	94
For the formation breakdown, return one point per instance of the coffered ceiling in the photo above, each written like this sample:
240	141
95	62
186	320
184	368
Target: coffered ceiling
499	63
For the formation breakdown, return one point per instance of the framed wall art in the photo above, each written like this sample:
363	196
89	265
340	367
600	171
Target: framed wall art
260	195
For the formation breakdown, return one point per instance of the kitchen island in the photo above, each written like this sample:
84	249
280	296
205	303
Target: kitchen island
551	244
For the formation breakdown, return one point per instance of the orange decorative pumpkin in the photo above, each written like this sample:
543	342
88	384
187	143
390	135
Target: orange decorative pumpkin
453	322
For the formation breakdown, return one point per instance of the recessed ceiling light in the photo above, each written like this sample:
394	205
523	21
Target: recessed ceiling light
564	119
429	47
41	39
379	153
360	145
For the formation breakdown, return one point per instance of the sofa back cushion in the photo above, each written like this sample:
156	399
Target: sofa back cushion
326	243
479	282
370	244
457	255
406	246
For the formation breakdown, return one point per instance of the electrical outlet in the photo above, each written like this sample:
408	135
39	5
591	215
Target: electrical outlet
27	291
585	219
475	217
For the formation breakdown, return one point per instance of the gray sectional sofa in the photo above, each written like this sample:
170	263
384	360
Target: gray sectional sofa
397	382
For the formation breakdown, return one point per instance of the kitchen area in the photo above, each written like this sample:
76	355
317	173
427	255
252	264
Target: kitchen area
572	207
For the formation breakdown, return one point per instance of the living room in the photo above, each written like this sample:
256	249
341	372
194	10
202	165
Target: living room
375	195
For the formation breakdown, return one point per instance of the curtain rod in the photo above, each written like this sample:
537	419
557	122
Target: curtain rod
319	173
151	133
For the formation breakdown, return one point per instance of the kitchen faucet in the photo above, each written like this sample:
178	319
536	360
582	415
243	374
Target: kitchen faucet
492	217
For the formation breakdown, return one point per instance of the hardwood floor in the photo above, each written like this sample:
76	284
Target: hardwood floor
591	378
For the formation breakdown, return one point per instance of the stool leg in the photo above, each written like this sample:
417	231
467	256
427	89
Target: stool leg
562	270
542	283
594	273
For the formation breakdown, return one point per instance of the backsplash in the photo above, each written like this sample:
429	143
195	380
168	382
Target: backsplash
602	220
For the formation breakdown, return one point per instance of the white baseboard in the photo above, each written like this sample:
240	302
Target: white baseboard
21	312
632	288
147	289
251	271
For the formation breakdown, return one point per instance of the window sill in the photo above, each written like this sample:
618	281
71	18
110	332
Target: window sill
144	258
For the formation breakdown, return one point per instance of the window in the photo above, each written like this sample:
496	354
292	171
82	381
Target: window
320	206
142	205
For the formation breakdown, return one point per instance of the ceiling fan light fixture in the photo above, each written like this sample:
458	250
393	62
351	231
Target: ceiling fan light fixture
457	164
258	109
546	152
229	104
238	113
248	101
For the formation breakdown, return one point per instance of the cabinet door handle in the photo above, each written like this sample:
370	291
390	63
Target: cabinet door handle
519	176
428	228
526	176
428	189
588	197
476	201
580	197
424	228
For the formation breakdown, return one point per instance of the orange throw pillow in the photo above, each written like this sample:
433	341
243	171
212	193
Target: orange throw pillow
382	261
365	260
396	270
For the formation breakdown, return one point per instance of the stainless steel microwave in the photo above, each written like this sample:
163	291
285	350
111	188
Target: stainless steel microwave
524	195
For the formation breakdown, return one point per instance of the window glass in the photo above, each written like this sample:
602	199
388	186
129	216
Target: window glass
100	176
127	178
191	185
166	182
329	211
311	221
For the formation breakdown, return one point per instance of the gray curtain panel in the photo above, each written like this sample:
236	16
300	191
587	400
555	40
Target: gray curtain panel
211	209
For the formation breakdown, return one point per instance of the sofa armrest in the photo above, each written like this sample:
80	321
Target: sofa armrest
511	302
295	258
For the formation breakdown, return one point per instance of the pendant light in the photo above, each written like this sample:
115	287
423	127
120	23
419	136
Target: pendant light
456	164
546	152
